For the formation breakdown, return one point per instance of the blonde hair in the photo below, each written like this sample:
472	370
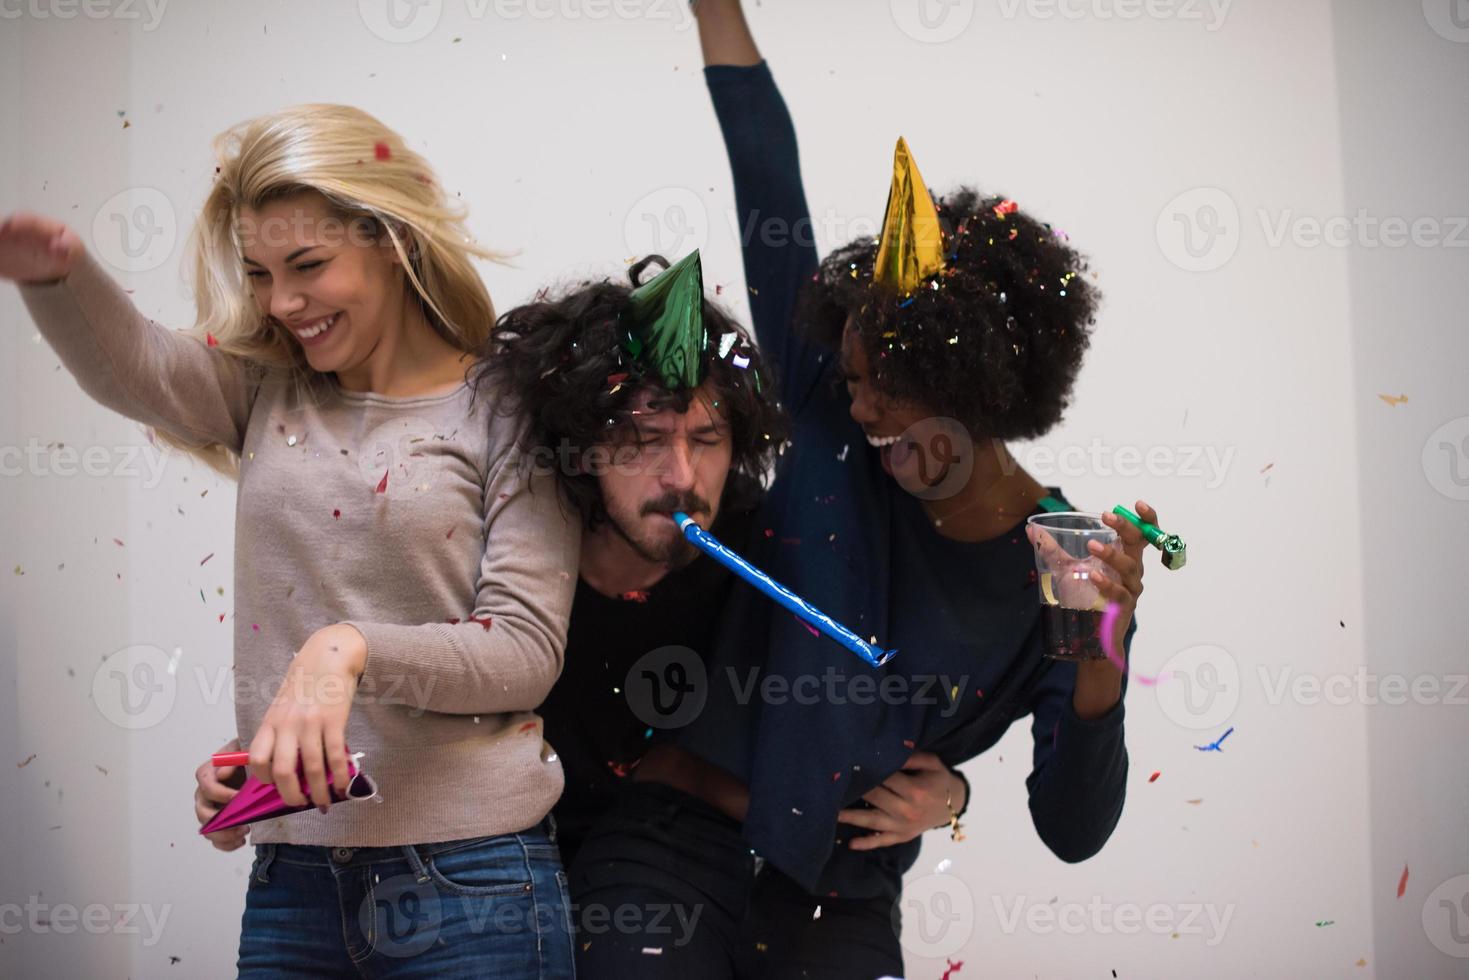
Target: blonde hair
365	171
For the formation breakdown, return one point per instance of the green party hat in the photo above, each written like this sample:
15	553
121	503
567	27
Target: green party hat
665	319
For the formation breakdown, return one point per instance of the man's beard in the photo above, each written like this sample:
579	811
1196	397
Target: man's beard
675	553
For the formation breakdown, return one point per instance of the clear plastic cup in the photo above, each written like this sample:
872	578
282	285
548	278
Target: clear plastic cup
1071	606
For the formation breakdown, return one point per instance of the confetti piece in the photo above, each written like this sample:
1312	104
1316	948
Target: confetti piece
953	967
101	770
1214	746
19	570
1195	802
943	866
637	595
31	758
1154	777
383	486
337	515
1394	400
652	950
1107	632
1268	467
817	914
907	743
528	726
381	152
211	340
1325	922
1361	962
1403	882
205	559
450	535
1005	207
484	622
118	542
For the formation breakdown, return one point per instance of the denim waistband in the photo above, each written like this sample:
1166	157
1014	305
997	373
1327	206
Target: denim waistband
317	855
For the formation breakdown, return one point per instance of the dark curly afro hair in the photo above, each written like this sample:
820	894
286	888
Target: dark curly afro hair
560	361
994	341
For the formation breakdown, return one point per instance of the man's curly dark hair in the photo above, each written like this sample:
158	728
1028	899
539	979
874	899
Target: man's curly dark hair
561	361
997	345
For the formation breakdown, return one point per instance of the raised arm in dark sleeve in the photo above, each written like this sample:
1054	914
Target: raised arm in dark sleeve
775	230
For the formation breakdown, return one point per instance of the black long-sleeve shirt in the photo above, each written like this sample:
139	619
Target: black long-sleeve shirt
837	530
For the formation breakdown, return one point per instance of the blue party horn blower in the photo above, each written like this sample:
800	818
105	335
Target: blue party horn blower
807	613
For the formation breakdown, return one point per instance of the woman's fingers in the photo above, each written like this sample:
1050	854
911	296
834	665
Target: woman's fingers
335	742
283	769
229	839
871	842
313	767
869	819
262	747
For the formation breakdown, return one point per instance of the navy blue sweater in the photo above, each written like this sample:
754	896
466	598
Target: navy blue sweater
819	728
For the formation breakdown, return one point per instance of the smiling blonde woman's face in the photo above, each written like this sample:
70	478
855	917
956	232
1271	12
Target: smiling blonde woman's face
329	282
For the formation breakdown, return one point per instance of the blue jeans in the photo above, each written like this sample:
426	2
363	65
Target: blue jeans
484	907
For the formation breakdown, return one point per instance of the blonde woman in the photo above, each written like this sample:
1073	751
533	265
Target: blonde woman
401	580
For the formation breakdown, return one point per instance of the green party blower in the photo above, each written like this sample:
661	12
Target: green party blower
1175	552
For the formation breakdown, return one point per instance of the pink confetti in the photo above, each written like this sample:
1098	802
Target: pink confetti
450	535
336	515
482	621
635	596
1154	777
118	542
1108	629
211	340
383	486
1403	882
380	151
206	558
952	969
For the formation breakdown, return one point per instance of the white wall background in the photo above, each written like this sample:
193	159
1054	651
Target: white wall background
1236	370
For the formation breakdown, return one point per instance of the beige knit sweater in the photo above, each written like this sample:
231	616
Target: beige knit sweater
415	520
